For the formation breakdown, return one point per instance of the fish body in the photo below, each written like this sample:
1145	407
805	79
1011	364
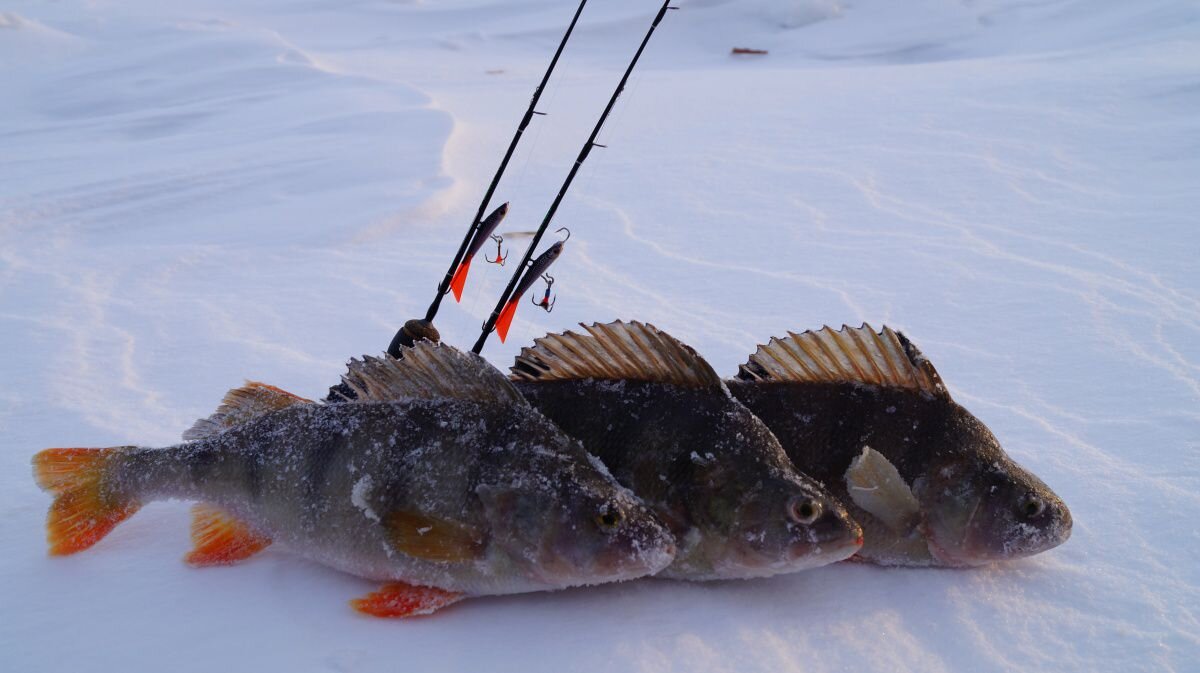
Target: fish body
471	495
867	415
658	417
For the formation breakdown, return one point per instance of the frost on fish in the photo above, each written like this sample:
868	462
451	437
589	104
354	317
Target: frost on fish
465	490
358	496
660	418
826	394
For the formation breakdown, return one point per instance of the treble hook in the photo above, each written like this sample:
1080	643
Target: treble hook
561	229
500	257
546	304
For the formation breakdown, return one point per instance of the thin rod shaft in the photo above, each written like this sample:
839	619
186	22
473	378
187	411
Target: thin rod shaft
444	286
490	325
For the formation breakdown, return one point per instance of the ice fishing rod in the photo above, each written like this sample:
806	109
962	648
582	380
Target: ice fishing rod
481	229
527	272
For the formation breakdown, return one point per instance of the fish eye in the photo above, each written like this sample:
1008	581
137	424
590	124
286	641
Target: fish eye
1031	506
804	510
608	520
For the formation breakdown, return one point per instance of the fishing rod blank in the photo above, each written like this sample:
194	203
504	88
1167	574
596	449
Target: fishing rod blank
519	274
456	276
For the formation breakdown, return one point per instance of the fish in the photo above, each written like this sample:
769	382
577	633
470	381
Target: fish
867	414
439	480
660	418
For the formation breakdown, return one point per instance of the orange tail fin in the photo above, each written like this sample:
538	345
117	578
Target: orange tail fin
82	513
459	281
506	318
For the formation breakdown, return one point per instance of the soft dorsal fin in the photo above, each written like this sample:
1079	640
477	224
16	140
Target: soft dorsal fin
242	405
429	371
619	350
849	355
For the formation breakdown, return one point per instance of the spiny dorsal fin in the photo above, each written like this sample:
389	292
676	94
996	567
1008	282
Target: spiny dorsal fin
242	405
619	350
429	371
849	355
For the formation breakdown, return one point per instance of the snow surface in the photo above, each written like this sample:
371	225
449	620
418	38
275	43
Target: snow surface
197	192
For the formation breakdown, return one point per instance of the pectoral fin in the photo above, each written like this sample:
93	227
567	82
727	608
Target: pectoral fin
876	486
405	600
433	539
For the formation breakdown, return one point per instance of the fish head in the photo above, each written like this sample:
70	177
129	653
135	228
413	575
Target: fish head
567	522
978	505
753	513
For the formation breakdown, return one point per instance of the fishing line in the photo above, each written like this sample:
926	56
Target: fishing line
528	151
528	271
555	86
461	261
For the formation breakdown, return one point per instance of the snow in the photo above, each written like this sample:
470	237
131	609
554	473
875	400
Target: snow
200	192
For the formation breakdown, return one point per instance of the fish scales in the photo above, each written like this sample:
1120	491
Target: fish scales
868	415
443	485
827	425
315	456
660	419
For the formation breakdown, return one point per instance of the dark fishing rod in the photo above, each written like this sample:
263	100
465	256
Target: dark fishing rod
522	275
482	228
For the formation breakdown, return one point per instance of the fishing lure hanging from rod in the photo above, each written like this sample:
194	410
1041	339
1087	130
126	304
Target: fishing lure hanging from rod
481	229
527	272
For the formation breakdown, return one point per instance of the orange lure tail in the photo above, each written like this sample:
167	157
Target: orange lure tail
459	281
505	319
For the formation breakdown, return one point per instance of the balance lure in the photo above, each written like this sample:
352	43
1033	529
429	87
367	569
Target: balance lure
439	480
482	234
536	269
868	415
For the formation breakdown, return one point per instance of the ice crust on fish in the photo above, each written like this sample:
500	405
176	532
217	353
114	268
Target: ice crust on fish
451	481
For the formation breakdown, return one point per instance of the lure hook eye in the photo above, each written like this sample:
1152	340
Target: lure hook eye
562	229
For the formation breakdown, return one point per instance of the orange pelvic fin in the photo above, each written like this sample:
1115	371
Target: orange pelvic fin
506	318
405	600
220	539
459	281
82	512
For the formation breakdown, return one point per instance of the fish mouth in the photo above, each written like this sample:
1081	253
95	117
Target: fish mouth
969	551
630	560
942	553
831	547
807	549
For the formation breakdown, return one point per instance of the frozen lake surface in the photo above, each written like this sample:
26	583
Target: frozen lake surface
200	192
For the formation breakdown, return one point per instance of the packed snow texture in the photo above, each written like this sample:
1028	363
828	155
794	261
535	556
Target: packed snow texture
199	192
